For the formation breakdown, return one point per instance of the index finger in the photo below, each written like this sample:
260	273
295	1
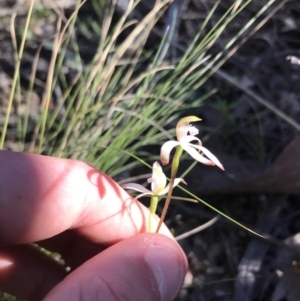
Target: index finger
43	196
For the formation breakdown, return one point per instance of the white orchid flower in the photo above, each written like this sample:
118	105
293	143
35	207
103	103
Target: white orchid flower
158	188
158	183
185	135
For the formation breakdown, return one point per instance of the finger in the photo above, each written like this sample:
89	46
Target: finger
144	267
73	248
28	273
42	196
17	262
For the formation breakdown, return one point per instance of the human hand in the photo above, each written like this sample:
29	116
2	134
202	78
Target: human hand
69	207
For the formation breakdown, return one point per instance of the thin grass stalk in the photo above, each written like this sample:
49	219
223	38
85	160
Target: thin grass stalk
56	47
47	93
17	95
217	66
196	76
16	75
104	53
30	90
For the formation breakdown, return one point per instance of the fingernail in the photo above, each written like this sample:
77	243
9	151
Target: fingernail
168	267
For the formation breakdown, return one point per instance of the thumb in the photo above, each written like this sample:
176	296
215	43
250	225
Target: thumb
143	267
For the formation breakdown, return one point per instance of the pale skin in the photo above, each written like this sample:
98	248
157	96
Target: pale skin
69	207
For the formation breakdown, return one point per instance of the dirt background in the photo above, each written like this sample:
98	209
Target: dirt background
252	122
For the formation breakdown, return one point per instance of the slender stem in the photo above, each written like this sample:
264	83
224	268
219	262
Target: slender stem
219	212
175	164
16	73
153	206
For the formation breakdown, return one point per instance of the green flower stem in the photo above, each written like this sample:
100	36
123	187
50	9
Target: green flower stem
153	206
174	169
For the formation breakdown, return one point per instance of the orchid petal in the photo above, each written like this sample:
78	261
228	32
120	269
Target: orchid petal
212	157
176	182
136	187
209	155
187	120
188	139
166	150
141	195
182	126
159	179
189	148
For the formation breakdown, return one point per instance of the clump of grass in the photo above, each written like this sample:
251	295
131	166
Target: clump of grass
110	104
